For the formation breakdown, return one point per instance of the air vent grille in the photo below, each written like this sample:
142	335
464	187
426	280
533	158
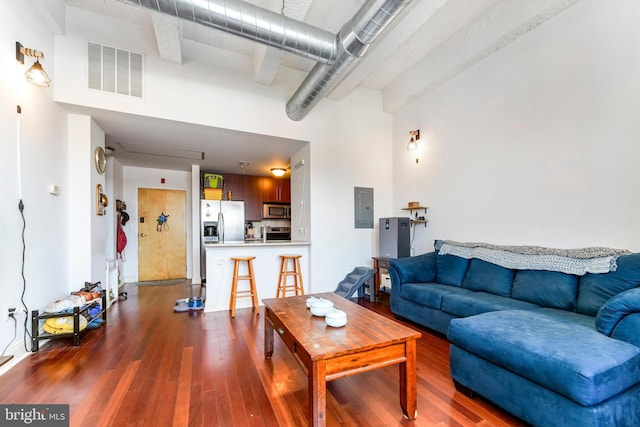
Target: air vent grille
114	70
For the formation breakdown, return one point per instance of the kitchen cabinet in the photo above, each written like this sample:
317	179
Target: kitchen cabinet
256	190
252	197
235	185
276	190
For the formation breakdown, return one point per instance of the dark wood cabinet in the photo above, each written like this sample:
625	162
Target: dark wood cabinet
276	190
255	190
235	185
252	197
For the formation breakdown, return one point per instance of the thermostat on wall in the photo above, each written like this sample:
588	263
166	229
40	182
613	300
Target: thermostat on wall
54	189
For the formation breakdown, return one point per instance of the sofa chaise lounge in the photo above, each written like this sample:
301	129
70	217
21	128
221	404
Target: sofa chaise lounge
551	336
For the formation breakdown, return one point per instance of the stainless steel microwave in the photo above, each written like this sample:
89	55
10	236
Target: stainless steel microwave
275	211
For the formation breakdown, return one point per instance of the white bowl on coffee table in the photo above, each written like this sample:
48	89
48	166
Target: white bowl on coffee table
320	307
310	301
335	318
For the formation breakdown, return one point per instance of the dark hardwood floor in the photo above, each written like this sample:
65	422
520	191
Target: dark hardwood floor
151	367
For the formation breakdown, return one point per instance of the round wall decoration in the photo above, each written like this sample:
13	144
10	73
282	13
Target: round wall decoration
101	160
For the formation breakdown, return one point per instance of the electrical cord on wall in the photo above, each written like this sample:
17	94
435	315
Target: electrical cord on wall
24	223
413	237
24	280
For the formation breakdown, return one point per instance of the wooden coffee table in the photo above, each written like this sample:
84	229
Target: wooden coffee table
368	341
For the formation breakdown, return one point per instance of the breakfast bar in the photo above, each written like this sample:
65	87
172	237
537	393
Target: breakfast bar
266	266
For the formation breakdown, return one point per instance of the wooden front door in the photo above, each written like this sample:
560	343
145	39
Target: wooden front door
162	245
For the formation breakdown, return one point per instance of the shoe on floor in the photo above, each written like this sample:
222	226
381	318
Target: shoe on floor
195	303
181	306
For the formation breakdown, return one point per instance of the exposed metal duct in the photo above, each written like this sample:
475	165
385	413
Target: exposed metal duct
335	55
251	22
354	39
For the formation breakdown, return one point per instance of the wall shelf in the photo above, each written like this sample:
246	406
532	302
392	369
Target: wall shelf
414	220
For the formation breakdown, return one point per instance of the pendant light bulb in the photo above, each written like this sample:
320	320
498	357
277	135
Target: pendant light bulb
36	75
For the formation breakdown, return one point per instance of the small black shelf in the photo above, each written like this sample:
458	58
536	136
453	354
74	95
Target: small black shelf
36	317
417	209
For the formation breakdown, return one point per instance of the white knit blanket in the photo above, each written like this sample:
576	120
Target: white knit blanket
571	261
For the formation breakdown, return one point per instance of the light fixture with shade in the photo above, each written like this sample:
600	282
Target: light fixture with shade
36	75
278	171
413	142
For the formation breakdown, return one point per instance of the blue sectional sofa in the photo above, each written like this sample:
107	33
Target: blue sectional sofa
552	348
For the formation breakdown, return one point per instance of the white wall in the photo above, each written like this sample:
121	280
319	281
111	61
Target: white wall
537	144
349	140
87	231
114	190
43	162
134	178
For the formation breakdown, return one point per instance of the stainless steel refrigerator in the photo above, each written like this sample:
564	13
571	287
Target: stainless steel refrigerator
221	221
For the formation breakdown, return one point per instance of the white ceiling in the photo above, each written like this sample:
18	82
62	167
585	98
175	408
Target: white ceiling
431	42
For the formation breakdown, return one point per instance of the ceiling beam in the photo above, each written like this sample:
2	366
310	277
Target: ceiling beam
168	37
400	38
499	25
266	60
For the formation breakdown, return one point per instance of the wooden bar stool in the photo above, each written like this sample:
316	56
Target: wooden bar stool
252	292
296	273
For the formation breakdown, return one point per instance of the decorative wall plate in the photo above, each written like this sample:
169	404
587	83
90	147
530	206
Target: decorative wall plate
101	160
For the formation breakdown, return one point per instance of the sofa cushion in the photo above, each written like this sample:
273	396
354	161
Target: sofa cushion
596	289
569	357
487	277
428	294
450	269
472	303
546	288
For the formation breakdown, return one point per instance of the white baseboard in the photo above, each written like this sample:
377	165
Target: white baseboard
18	352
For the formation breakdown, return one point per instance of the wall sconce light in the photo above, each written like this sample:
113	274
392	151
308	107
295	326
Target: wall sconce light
413	142
278	171
35	75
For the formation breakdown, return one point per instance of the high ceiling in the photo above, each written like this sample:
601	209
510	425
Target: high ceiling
429	43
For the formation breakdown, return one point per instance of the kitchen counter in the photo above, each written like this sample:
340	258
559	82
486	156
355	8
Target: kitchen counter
256	242
266	266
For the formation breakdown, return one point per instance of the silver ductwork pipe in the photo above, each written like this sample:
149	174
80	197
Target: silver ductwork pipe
335	55
353	41
251	22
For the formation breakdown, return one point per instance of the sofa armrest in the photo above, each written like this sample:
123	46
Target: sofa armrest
628	329
419	268
616	309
